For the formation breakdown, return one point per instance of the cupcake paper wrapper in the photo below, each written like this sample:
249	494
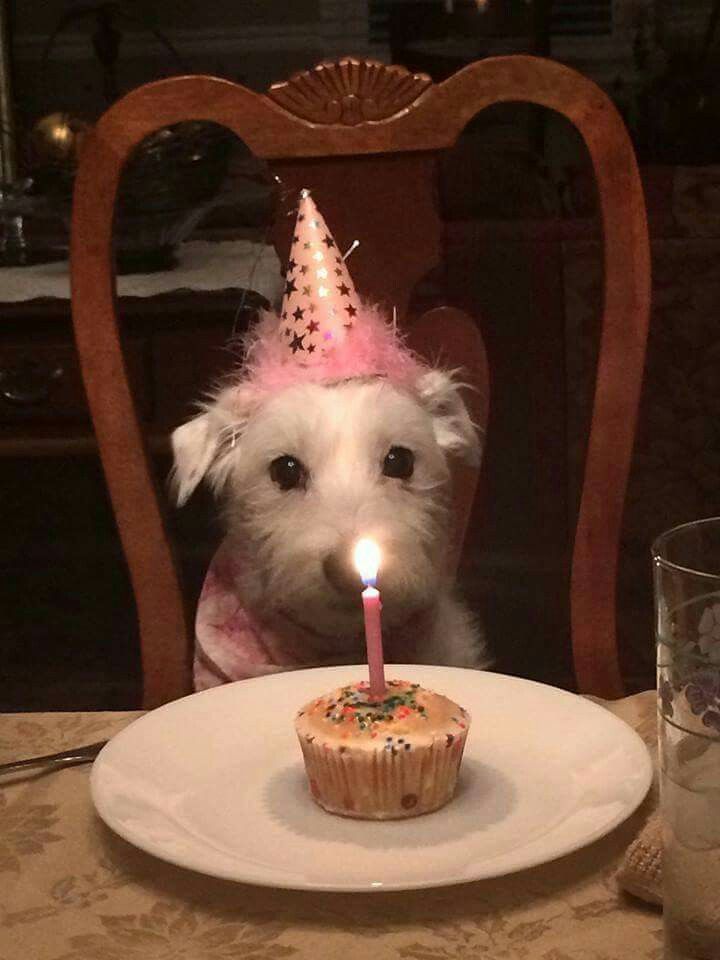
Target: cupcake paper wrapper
383	784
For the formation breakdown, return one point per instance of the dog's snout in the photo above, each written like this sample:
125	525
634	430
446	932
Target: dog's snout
340	572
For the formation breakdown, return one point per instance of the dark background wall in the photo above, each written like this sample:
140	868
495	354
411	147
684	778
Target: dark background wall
521	252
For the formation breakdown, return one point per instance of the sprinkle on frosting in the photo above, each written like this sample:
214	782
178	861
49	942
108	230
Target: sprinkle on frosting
355	705
352	710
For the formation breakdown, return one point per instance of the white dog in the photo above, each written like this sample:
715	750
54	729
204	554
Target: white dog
302	474
332	431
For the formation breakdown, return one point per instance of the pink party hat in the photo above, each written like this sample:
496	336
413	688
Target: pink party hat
320	305
324	331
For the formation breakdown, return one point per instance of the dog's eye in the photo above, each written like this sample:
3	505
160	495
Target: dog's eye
399	463
288	472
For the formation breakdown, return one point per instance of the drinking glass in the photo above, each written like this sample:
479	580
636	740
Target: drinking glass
686	562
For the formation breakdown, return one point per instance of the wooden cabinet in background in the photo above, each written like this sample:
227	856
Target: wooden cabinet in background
68	631
176	345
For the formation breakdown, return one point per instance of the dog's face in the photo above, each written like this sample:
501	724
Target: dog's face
305	473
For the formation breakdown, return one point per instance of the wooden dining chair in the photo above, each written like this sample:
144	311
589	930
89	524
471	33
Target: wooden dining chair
365	138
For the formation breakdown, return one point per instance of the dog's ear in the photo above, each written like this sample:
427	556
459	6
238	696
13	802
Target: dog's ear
203	446
455	432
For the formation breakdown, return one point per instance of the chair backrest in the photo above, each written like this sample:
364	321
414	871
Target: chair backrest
377	130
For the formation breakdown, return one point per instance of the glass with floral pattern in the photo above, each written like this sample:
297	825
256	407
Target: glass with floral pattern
686	564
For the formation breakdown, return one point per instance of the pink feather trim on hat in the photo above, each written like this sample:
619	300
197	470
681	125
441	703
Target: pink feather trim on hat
374	348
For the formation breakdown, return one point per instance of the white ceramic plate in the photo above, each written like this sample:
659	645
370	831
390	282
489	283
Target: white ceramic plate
215	782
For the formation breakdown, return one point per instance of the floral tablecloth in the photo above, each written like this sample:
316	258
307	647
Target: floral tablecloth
72	890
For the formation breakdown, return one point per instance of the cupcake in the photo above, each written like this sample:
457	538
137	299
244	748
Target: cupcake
382	759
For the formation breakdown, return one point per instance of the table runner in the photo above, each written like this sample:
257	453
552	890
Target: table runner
71	890
202	265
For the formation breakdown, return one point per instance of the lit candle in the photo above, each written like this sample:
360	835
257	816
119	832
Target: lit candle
367	561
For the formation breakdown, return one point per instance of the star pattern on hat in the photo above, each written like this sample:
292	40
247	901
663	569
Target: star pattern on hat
297	343
320	301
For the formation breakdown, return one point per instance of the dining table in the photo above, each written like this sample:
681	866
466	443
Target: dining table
71	889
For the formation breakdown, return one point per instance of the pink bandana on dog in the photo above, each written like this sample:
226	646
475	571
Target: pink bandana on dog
232	643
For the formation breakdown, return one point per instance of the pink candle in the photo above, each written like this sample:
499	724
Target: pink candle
367	560
373	639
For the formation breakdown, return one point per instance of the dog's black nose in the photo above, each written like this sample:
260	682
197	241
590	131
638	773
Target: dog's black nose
340	572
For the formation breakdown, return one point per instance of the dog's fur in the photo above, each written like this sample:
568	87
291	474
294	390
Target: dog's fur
296	545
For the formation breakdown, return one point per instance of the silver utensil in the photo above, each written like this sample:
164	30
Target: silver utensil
66	758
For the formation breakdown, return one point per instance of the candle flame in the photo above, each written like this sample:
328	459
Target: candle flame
367	560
